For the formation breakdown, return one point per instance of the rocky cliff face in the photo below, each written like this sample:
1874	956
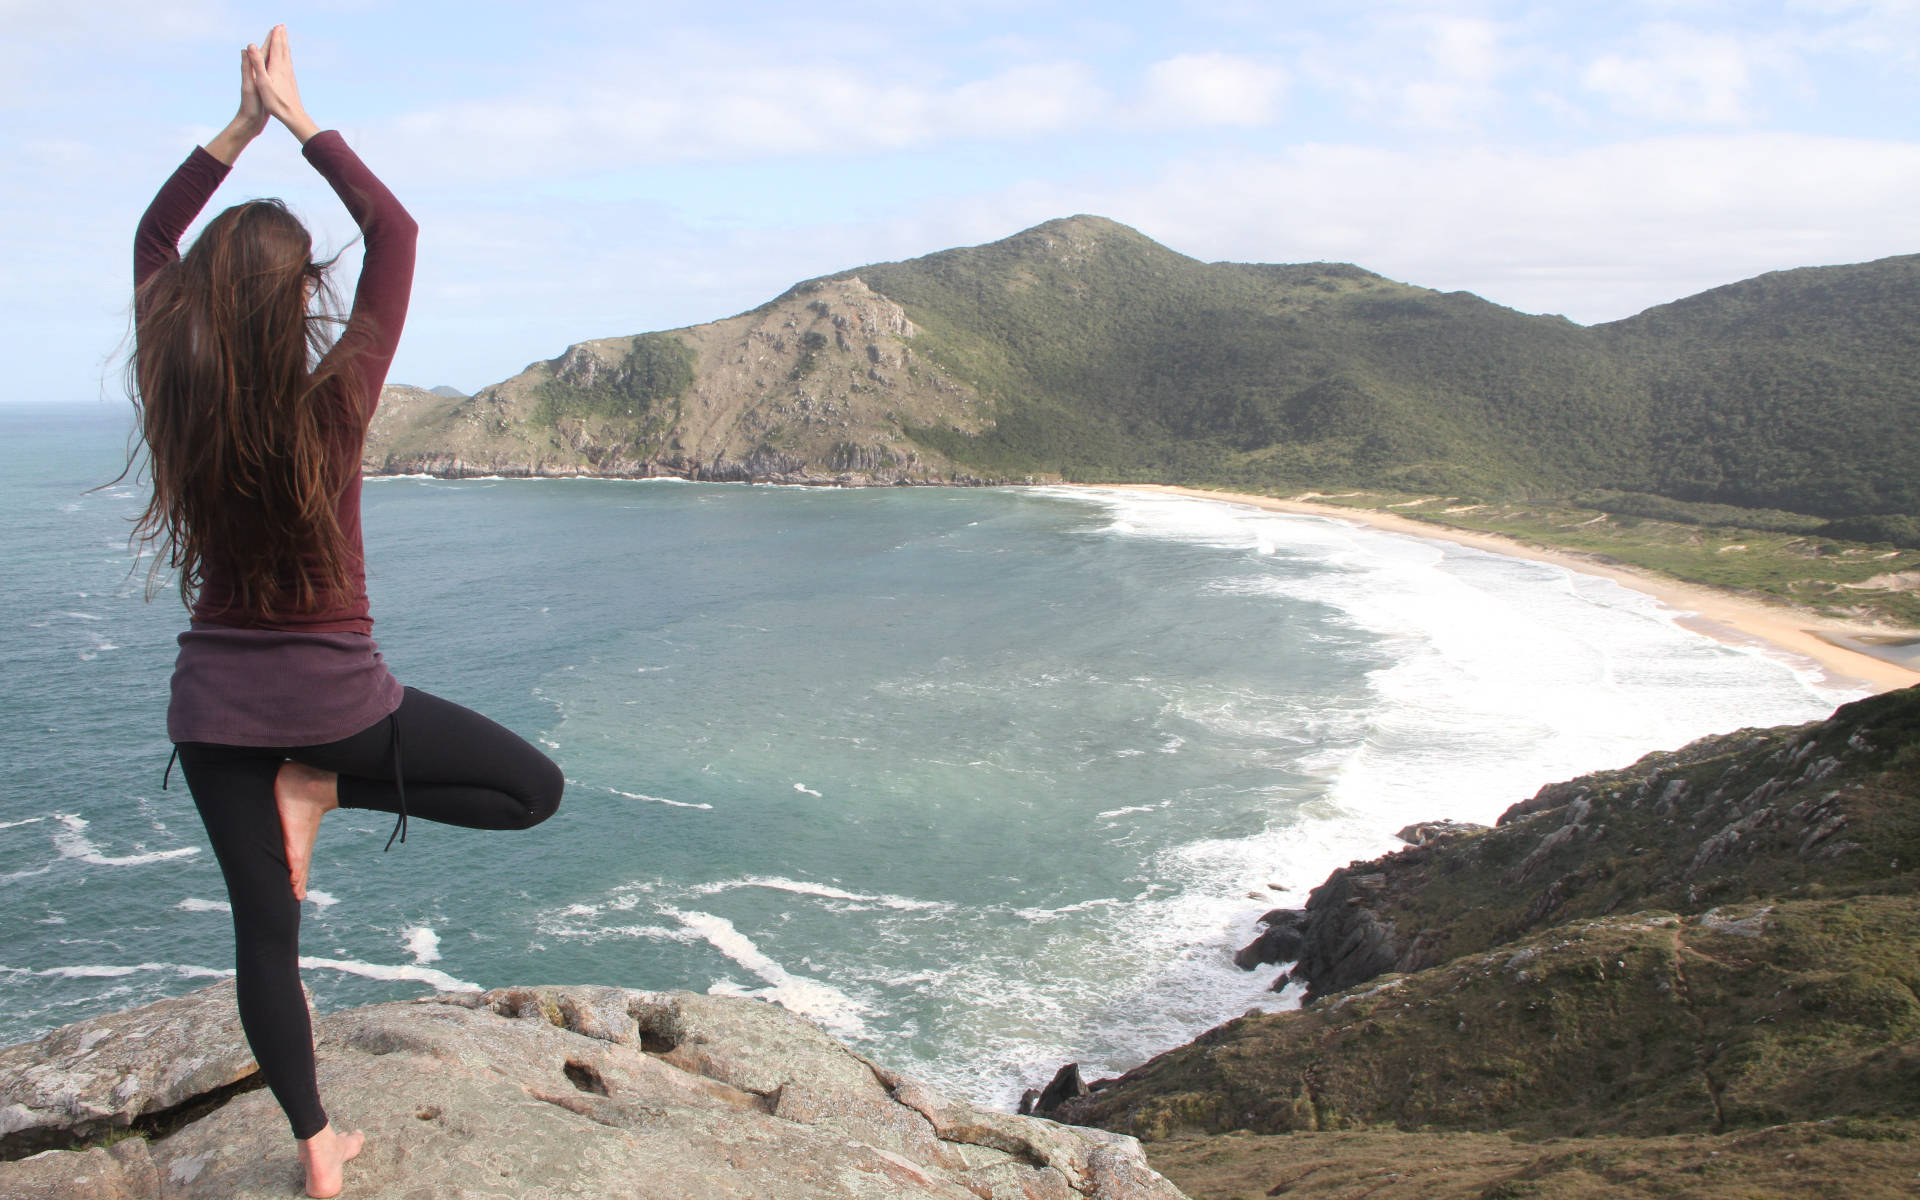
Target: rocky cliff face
1788	813
526	1092
818	386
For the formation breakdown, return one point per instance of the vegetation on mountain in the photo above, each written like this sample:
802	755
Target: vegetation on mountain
1111	357
657	369
1793	390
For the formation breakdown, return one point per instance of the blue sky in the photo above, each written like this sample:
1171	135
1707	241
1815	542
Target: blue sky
589	169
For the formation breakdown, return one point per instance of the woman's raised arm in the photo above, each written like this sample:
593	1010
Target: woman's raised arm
246	124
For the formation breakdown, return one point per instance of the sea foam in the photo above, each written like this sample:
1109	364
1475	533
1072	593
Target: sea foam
73	844
440	981
823	1002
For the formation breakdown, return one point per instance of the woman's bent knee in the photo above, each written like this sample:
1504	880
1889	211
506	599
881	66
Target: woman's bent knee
544	798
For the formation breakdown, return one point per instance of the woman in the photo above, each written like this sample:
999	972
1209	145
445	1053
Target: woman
282	708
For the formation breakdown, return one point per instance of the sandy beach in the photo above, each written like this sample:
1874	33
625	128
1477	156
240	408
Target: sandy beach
1730	618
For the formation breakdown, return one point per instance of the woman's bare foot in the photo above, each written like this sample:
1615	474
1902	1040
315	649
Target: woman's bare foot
303	795
324	1158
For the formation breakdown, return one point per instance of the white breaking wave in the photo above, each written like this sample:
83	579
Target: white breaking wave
823	890
1502	673
602	933
423	943
191	904
404	972
75	845
801	787
1054	914
320	899
658	799
103	971
25	821
822	1002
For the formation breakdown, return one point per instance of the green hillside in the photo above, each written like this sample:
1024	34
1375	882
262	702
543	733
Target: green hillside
1797	390
1108	356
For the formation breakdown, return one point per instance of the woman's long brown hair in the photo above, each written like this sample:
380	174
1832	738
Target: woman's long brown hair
241	439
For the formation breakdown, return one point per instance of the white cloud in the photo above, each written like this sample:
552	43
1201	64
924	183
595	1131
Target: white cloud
1212	89
1024	100
1878	28
1418	69
1465	48
1681	75
110	21
622	113
633	114
1465	59
1596	234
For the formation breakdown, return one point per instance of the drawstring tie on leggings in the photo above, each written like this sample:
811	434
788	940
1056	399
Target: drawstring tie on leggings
399	782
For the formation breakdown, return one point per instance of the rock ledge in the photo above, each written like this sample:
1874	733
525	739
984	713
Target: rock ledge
527	1092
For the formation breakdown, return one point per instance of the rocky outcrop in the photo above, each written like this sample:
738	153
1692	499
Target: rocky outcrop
1065	1085
528	1092
1281	942
1714	939
820	386
140	1071
1757	812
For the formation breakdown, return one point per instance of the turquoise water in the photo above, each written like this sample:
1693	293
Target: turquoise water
982	780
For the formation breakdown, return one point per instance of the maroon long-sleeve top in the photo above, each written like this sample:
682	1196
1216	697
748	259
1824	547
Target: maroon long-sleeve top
371	337
243	678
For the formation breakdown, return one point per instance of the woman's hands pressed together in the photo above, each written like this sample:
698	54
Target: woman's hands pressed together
273	80
267	88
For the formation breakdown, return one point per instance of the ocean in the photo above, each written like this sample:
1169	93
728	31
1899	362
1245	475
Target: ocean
981	780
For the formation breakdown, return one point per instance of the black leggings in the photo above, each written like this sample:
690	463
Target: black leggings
461	769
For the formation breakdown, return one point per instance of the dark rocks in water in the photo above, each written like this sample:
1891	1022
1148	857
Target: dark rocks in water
1343	941
1067	1085
1424	833
1280	942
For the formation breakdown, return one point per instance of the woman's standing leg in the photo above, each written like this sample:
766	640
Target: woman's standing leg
233	789
456	767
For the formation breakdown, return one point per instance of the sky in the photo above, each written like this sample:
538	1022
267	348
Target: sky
584	169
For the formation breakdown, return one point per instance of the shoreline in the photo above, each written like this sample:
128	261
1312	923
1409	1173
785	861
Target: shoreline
1724	616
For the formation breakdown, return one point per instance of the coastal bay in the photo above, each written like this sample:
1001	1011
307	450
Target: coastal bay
981	779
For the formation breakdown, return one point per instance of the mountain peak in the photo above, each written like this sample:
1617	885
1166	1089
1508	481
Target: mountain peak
1084	224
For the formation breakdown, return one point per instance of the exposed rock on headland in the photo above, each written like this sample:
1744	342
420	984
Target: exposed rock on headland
527	1092
819	386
